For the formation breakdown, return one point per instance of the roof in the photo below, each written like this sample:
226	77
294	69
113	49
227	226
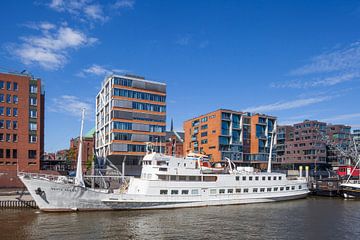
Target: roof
90	133
172	133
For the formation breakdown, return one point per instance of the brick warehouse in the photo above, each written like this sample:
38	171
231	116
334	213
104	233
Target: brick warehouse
21	126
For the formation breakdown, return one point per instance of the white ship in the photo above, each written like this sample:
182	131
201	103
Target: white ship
165	182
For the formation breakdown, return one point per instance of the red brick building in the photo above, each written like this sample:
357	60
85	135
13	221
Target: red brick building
174	143
21	126
87	150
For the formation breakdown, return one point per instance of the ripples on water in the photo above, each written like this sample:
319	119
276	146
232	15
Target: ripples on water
312	218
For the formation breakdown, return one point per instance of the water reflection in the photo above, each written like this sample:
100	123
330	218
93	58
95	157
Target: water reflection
312	218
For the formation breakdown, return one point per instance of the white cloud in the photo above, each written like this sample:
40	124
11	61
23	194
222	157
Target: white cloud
50	48
318	82
342	117
95	12
184	40
337	60
124	4
327	69
72	105
278	106
98	70
80	8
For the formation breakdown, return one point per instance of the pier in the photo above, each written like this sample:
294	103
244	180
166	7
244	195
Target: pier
16	199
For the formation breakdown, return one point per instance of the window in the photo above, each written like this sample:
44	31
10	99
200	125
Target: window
33	89
1	137
163	192
1	153
123	82
287	188
203	127
256	178
213	191
174	192
8	85
204	134
8	137
194	191
300	187
182	178
244	178
1	97
8	124
32	126
148	107
281	188
204	141
14	155
15	99
184	192
32	154
33	113
14	137
230	190
1	123
32	138
221	191
237	178
268	189
7	153
279	178
15	86
250	178
8	112
269	178
15	125
262	189
275	189
15	112
1	84
255	190
292	187
8	98
263	178
246	190
238	190
139	95
274	177
122	125
33	101
1	110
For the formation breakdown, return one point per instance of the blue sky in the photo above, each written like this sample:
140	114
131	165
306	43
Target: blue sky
292	59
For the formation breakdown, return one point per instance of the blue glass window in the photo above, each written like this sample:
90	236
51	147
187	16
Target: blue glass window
122	125
123	82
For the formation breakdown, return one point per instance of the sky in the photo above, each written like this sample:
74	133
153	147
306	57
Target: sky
294	60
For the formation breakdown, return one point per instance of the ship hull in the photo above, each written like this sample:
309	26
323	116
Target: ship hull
51	196
350	191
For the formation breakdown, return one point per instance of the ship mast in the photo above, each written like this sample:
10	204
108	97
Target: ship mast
273	136
79	181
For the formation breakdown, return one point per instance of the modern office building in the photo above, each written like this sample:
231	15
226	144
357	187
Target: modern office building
241	137
21	126
130	111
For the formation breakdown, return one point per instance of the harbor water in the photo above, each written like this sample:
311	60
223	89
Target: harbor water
311	218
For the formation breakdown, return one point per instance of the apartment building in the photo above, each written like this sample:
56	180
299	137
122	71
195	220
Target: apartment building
356	136
21	126
340	136
130	111
241	137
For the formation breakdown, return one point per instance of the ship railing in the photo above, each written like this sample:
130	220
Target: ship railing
48	177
